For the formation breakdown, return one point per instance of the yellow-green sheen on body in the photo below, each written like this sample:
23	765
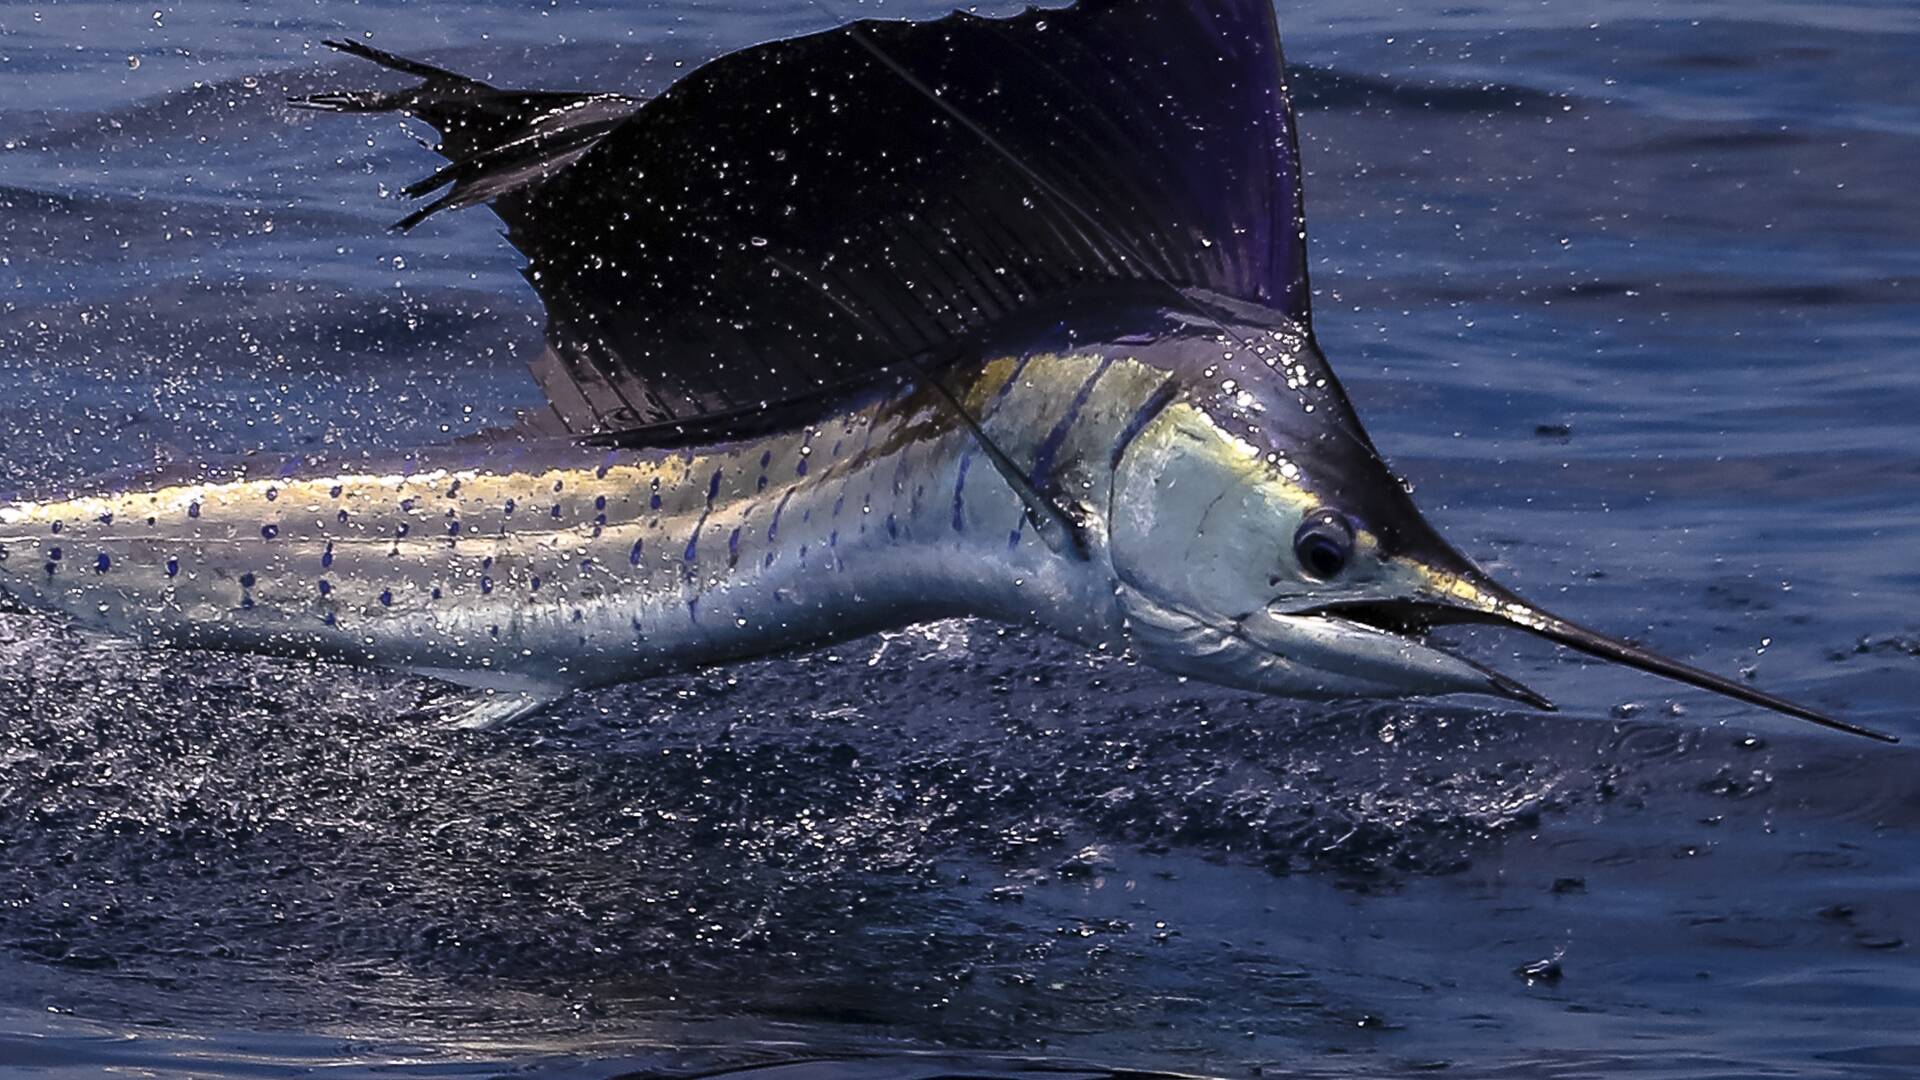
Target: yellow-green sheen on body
544	566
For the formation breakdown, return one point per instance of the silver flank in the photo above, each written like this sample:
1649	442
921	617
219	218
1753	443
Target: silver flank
590	567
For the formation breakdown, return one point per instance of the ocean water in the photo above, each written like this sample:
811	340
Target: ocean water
1630	290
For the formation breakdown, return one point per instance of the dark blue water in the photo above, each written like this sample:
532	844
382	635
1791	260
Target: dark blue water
1630	290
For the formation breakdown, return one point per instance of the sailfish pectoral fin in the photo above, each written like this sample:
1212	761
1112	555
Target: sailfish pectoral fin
485	710
492	700
1059	528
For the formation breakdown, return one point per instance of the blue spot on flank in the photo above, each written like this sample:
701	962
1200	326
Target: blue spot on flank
269	532
1042	471
773	527
246	602
633	557
52	568
839	504
761	484
493	631
336	492
693	546
273	494
800	469
556	511
386	597
600	503
402	529
247	580
693	609
453	490
486	587
536	583
486	563
326	587
578	615
1013	538
833	538
331	620
406	506
509	507
102	564
326	557
769	559
586	566
959	493
342	517
453	528
436	592
57	527
654	502
766	459
733	549
173	567
193	510
55	554
713	487
559	485
106	519
893	528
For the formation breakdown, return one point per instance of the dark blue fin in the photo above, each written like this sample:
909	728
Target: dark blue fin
498	143
802	218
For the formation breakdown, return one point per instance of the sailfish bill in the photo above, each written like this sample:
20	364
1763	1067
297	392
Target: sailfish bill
1004	318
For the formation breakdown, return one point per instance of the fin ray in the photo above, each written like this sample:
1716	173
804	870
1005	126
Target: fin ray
798	218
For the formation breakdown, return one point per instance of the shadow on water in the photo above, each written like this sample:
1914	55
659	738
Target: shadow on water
1632	308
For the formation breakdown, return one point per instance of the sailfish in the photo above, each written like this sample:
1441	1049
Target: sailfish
980	317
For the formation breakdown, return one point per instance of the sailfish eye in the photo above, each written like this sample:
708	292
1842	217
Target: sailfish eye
1324	544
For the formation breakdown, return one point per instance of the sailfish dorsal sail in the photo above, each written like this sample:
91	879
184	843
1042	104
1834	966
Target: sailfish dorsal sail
800	218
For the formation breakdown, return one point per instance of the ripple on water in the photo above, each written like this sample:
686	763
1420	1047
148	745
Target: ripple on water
214	823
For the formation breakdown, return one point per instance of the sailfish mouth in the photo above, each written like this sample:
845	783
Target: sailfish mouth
1484	604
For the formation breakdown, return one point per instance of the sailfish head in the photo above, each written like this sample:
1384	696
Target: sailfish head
1260	541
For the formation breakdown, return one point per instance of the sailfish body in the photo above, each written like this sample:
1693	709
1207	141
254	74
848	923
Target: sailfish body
898	322
540	567
537	567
